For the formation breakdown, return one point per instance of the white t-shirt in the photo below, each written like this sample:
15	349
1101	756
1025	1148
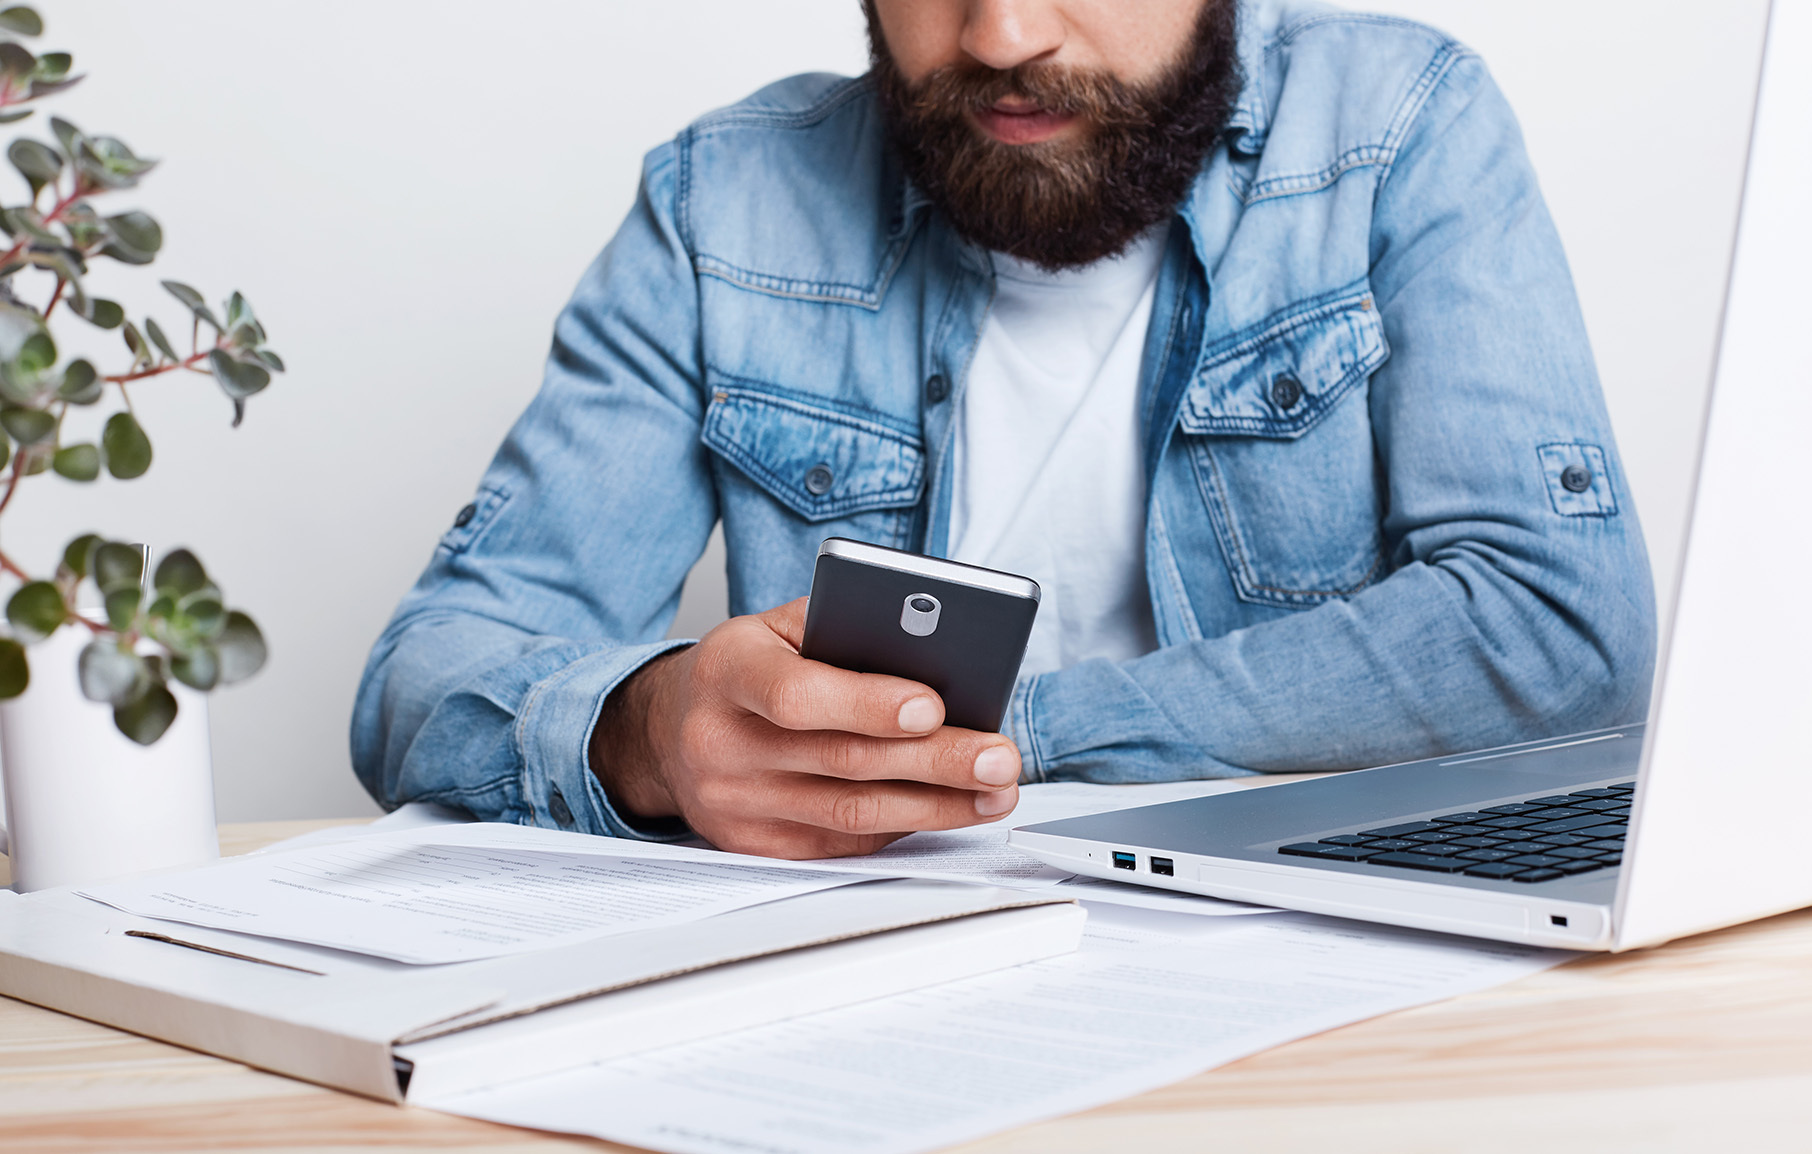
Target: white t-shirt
1050	472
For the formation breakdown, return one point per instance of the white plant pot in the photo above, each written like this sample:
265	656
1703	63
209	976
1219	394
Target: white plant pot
83	801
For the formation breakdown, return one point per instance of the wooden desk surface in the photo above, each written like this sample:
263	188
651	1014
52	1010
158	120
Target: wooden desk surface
1701	1045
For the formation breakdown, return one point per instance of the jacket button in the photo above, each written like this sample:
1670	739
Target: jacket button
937	389
1286	391
818	480
464	516
558	809
1576	478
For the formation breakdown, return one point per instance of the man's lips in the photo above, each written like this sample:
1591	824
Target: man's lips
1016	125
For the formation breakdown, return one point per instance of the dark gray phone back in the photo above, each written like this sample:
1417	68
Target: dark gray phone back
966	646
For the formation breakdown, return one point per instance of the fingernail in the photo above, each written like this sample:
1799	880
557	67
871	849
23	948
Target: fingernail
919	715
995	804
997	765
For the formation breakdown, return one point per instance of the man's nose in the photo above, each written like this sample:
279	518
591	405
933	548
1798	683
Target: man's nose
1004	34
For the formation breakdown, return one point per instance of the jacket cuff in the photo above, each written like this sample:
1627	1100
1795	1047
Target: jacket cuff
553	738
1018	726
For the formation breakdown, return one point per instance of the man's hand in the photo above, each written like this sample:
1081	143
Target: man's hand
764	752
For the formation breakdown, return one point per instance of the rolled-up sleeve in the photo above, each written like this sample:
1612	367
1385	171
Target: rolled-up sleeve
561	577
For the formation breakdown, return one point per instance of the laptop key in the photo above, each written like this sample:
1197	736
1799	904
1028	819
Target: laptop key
1512	809
1621	811
1604	791
1537	876
1555	799
1433	835
1569	824
1508	822
1346	839
1461	818
1610	843
1556	812
1580	867
1615	829
1421	861
1577	853
1469	830
1305	849
1405	828
1347	852
1600	804
1488	854
1513	834
1439	849
1395	843
1495	869
1563	839
1478	842
1537	859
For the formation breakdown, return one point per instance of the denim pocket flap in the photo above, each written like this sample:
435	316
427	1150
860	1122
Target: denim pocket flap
1278	378
819	461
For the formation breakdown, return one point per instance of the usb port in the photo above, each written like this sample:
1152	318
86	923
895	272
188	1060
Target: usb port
1125	861
1163	866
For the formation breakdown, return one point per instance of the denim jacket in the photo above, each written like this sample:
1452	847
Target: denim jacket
1386	517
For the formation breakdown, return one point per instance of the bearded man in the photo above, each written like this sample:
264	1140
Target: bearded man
1241	328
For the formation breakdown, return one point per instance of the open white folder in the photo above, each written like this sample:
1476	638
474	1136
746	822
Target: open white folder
387	1029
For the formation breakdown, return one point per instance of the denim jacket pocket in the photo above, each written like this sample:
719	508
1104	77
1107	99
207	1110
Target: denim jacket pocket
819	459
1280	438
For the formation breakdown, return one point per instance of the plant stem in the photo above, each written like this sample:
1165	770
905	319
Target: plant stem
6	563
55	297
160	370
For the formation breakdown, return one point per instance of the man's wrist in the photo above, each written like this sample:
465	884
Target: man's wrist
622	750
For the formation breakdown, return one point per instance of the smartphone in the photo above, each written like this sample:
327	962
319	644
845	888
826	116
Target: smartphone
959	629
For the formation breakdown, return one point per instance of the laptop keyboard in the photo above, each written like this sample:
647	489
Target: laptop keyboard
1536	840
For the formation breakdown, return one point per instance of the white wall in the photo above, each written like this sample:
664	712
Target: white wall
408	192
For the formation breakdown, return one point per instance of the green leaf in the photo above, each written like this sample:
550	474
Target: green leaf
105	162
68	135
21	21
146	719
14	115
137	230
55	65
122	606
238	379
127	447
77	462
32	460
15	670
28	426
110	673
17	60
38	163
104	314
6	448
156	333
203	615
179	574
77	553
141	352
37	610
117	565
238	311
271	360
193	300
81	384
38	353
198	669
242	648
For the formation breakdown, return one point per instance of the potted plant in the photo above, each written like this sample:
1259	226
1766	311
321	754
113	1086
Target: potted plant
103	735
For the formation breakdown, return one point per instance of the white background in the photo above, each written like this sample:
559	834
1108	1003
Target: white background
408	193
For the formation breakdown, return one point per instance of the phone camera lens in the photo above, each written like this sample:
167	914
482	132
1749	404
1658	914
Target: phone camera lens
923	604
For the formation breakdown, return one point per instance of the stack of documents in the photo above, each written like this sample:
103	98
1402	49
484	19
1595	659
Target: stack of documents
684	999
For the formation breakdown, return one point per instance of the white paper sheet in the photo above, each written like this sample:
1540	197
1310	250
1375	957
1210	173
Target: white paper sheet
429	904
978	854
1151	998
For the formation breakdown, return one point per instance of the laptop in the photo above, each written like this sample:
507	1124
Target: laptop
1619	838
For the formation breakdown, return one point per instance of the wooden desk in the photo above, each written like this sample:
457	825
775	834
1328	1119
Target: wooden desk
1702	1045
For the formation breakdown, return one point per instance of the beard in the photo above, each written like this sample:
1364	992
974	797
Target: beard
1067	202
